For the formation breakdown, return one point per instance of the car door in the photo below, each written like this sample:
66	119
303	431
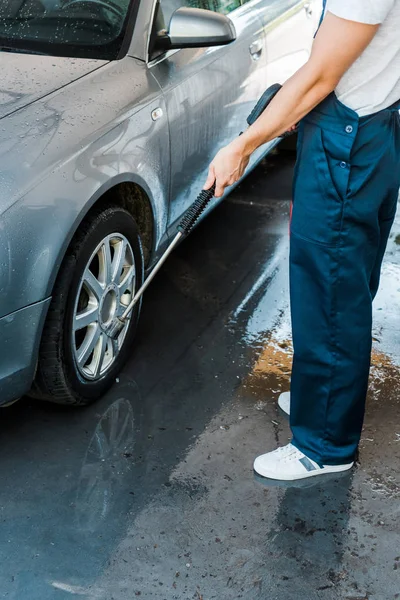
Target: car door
208	93
290	26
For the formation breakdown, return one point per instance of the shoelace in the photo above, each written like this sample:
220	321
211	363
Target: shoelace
288	453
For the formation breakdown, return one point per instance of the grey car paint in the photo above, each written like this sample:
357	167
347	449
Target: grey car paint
73	129
209	94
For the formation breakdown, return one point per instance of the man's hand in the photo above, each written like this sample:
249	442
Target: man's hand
227	167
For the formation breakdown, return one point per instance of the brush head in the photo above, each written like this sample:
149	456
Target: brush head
115	328
193	214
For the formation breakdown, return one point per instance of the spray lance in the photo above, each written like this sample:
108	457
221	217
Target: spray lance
189	220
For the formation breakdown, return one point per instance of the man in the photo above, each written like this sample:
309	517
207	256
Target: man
347	177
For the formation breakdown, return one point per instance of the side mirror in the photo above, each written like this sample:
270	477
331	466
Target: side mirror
196	28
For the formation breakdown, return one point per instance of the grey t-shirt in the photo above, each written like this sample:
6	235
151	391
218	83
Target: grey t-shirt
373	82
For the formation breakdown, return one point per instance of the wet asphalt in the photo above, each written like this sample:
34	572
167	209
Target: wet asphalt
150	493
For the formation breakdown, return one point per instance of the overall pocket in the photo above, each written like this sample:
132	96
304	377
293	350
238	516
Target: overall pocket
318	198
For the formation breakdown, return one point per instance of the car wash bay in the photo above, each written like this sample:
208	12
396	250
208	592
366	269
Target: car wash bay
150	493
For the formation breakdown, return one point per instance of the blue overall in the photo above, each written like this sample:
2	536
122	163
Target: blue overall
346	186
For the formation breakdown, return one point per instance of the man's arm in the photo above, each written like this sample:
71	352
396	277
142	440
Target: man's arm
337	46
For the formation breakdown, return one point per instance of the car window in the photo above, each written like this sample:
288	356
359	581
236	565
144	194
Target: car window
277	7
221	6
87	28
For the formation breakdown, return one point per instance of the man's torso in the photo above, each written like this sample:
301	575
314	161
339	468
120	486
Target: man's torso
373	82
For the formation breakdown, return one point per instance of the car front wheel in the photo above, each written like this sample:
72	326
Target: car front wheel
103	268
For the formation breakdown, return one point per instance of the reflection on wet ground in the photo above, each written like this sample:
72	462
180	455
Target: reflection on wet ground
150	493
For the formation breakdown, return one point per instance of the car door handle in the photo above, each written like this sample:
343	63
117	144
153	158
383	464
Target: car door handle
256	49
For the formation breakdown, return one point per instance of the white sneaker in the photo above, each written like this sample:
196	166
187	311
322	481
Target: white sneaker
284	402
289	464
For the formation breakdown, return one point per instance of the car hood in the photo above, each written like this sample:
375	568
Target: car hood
26	78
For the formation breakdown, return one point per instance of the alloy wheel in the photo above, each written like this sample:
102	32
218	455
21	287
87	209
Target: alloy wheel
106	288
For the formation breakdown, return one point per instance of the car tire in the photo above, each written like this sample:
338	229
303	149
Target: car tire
60	376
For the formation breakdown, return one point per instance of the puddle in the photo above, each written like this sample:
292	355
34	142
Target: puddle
384	372
274	364
271	372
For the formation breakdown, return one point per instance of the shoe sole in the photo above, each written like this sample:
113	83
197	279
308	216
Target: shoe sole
283	412
325	471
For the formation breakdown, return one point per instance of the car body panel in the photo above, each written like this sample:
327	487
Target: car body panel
73	146
20	334
25	81
209	93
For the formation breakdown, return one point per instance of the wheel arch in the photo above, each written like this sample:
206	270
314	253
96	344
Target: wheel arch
128	194
135	200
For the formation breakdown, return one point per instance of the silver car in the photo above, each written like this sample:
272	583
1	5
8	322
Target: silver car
111	111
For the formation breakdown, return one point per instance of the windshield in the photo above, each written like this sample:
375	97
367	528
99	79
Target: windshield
78	28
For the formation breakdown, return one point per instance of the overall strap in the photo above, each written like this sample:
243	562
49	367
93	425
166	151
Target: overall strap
322	15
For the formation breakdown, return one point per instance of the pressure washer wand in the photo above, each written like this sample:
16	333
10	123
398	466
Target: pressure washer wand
189	220
185	227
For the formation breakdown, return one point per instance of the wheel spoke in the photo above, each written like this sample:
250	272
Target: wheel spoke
87	317
99	353
105	263
119	260
93	284
88	345
121	309
115	347
127	281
